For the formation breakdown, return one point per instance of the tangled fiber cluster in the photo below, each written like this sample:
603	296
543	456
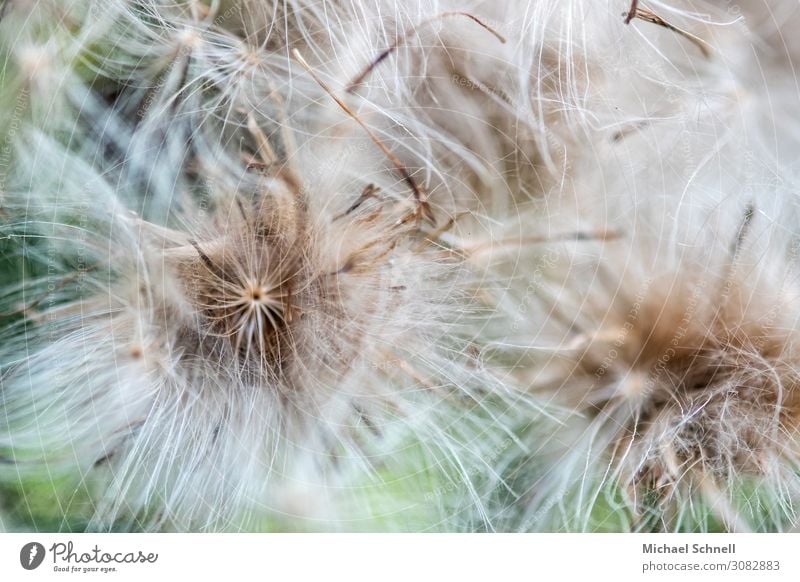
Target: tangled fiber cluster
451	265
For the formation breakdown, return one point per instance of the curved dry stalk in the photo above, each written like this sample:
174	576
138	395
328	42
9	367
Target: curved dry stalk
358	80
423	207
649	16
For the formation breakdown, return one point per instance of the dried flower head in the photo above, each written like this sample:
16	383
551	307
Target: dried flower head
228	315
684	386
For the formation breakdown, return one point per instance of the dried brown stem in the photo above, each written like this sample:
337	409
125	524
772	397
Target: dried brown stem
394	46
369	191
653	18
432	237
632	12
264	151
744	228
207	260
601	235
423	208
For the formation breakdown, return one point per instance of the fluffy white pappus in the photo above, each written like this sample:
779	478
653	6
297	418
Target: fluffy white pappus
679	367
277	243
475	100
190	359
221	316
673	343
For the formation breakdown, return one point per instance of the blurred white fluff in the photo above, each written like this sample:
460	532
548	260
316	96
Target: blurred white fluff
267	303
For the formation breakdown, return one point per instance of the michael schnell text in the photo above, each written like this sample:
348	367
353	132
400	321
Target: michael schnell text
688	549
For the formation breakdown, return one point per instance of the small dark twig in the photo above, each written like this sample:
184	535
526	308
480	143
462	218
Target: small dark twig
396	44
423	207
369	191
577	236
744	228
646	15
4	8
207	260
632	12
